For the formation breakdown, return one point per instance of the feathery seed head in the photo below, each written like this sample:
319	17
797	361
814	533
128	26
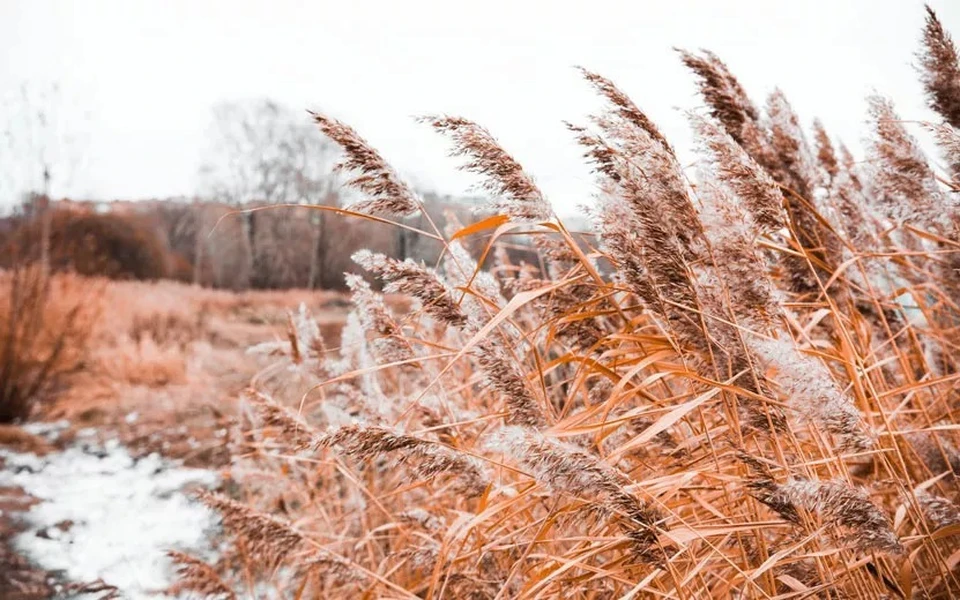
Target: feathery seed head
516	194
940	70
387	192
413	279
389	345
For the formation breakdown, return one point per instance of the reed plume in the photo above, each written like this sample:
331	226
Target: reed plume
947	138
422	519
730	106
408	277
733	233
726	98
625	109
373	176
650	262
389	345
648	255
840	506
799	172
516	195
504	378
295	431
906	188
826	155
635	155
427	458
197	577
569	470
836	503
937	453
938	511
335	569
810	388
304	335
940	70
746	179
267	539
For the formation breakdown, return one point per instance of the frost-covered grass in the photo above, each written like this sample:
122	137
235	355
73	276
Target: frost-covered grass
104	514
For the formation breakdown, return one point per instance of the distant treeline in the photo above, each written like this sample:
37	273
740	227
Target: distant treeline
215	245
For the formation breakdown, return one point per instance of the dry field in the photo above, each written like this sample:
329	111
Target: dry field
160	369
171	352
741	384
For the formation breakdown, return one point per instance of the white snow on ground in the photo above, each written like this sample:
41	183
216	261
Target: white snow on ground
126	514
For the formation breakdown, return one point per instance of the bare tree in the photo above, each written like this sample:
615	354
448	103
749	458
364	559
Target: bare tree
264	153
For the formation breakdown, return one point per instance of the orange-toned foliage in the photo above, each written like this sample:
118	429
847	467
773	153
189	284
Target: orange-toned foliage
111	245
45	324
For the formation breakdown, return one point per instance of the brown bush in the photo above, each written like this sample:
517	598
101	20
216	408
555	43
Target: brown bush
45	324
111	245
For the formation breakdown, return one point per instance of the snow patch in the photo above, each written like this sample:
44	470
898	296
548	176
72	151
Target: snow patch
49	431
104	514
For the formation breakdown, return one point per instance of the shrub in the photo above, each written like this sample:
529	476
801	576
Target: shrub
110	245
45	324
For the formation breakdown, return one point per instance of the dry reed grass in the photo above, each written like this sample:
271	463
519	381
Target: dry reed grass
746	388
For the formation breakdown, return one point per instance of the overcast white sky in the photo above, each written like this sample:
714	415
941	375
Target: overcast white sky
138	78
